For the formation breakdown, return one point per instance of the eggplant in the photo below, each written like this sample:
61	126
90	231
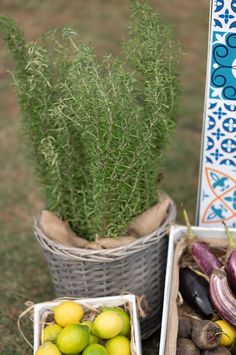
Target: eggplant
222	296
195	291
231	259
200	251
231	270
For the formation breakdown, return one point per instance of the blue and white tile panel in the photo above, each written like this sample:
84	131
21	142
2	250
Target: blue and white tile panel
217	182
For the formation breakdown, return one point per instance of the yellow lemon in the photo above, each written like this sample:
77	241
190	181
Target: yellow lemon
48	349
73	339
107	325
51	332
95	349
125	317
118	345
229	333
68	312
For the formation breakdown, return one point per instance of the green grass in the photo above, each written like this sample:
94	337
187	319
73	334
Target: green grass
24	275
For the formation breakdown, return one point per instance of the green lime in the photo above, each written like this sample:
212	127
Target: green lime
125	317
73	339
51	332
93	339
48	349
95	349
118	345
107	325
88	323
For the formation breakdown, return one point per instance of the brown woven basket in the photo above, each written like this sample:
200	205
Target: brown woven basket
137	268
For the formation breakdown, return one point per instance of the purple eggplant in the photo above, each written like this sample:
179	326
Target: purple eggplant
231	259
222	296
195	291
200	251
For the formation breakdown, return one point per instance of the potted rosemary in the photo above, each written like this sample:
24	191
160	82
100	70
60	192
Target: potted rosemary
97	132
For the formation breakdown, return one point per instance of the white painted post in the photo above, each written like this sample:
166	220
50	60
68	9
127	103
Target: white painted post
217	180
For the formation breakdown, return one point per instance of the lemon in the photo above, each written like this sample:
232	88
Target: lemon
51	332
118	345
73	339
229	333
95	349
48	349
125	317
107	325
68	312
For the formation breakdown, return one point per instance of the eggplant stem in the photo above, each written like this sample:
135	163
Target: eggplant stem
231	242
200	273
189	228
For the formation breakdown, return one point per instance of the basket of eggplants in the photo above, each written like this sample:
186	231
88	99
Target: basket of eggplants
210	291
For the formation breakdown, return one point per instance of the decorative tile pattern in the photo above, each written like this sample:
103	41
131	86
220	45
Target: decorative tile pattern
224	14
220	134
217	185
221	200
223	66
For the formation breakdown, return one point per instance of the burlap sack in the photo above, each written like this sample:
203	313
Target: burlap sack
173	318
143	225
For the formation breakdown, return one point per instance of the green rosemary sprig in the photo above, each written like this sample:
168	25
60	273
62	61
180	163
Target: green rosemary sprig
97	131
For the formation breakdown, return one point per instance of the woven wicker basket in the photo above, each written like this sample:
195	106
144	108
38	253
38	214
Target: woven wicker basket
138	268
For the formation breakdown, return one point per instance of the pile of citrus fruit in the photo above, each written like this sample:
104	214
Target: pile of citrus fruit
70	334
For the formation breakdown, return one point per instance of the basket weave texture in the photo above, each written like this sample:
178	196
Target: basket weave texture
137	268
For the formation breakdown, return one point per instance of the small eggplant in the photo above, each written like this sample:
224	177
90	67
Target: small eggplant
222	297
200	251
231	259
195	291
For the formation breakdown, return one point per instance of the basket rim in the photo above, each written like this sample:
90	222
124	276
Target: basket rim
104	255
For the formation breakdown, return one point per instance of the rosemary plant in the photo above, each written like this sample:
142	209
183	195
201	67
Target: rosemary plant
97	130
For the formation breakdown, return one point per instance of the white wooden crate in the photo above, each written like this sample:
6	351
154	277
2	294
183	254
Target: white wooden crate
113	301
176	233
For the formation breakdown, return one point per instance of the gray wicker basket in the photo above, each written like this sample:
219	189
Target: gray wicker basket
138	268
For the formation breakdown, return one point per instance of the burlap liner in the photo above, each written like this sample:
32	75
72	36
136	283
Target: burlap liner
144	224
90	313
173	318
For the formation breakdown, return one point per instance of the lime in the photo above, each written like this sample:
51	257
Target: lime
48	349
51	332
93	339
107	325
118	345
73	339
229	333
95	349
88	323
68	312
125	317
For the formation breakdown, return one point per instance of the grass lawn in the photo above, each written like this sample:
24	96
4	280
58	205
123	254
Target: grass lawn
24	275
